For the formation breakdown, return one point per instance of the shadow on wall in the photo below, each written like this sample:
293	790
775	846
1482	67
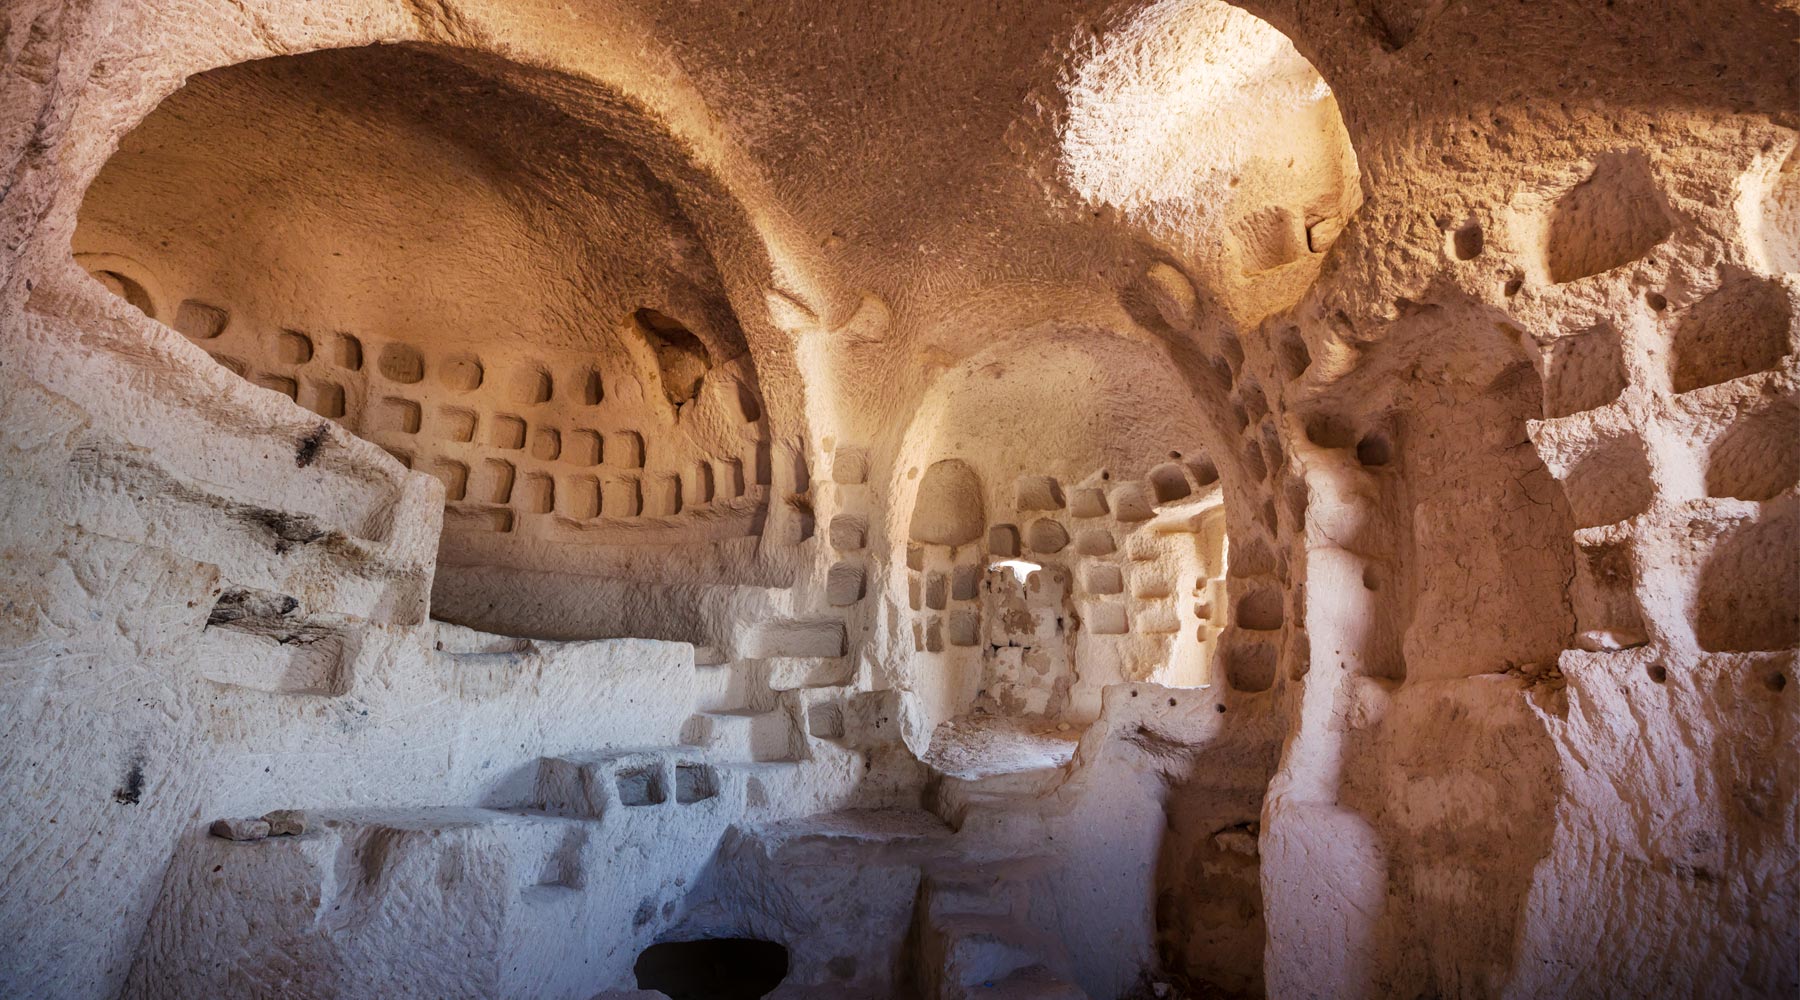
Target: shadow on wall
1210	928
472	265
1444	868
1749	592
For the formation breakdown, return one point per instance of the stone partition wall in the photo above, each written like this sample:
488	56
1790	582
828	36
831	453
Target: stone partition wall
1123	499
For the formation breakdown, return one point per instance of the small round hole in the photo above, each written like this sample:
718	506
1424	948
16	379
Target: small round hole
1656	301
1171	703
1777	681
1374	450
1658	673
1221	709
1512	287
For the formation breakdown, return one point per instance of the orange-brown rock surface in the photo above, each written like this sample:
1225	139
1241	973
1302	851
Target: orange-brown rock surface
1165	498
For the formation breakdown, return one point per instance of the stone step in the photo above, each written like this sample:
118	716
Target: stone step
972	893
820	637
718	688
776	790
976	949
745	734
789	673
756	684
544	848
975	932
1033	983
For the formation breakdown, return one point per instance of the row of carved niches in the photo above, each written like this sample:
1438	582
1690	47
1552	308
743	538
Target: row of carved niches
548	435
1140	557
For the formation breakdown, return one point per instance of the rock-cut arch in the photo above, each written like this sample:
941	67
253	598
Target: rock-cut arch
476	267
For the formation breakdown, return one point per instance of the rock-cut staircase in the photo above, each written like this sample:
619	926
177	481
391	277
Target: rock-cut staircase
769	705
977	941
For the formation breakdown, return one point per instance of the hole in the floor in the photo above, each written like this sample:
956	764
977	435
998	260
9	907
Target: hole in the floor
712	968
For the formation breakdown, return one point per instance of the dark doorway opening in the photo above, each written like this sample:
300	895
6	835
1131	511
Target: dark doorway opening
713	969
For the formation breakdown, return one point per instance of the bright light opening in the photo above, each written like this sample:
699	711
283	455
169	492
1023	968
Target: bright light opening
1021	569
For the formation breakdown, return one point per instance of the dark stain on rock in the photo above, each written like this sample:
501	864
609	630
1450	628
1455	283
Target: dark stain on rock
289	529
309	445
132	791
